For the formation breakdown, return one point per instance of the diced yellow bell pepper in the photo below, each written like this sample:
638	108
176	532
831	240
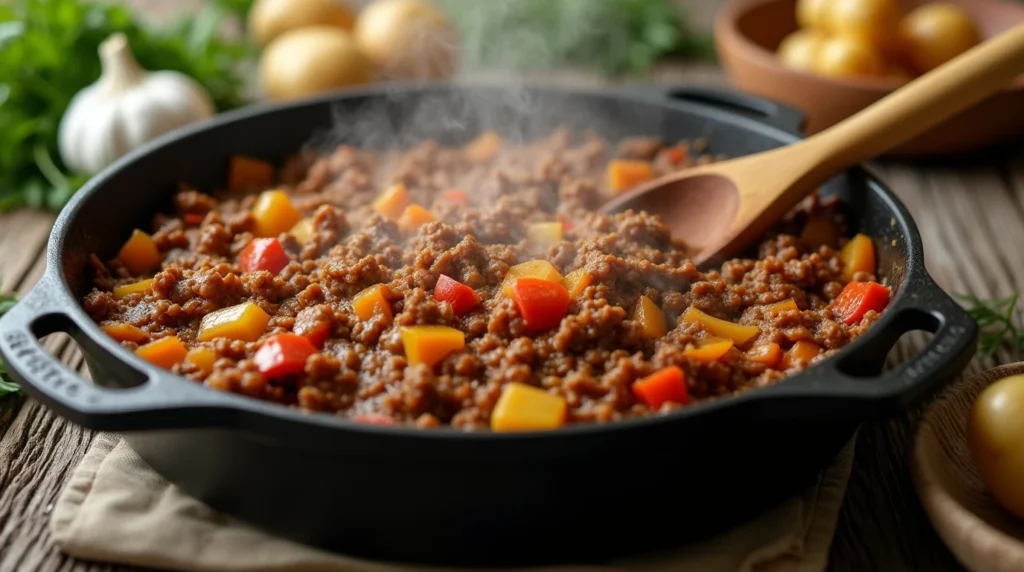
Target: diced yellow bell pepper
303	231
139	254
624	174
484	148
650	317
717	327
522	407
202	359
140	287
246	322
544	233
165	352
274	213
125	332
371	302
533	269
392	202
784	306
708	350
430	344
858	255
413	217
577	281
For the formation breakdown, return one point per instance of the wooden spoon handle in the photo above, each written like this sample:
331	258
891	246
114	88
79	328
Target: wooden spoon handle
920	105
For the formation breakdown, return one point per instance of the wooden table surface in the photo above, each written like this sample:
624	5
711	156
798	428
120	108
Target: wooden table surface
971	216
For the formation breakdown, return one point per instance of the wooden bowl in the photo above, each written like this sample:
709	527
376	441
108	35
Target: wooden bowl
747	32
981	534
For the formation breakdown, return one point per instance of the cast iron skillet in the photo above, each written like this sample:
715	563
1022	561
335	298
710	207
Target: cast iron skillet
586	493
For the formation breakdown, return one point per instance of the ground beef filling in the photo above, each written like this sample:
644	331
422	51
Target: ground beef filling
591	359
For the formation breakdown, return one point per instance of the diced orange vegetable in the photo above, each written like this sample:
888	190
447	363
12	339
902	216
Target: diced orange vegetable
484	148
430	344
787	305
392	202
371	302
624	174
125	332
533	269
246	174
165	352
413	217
650	317
544	233
818	231
140	287
139	254
859	298
456	197
202	359
663	386
541	303
522	407
677	154
310	324
858	255
800	354
303	231
708	350
274	213
246	322
577	281
721	328
768	353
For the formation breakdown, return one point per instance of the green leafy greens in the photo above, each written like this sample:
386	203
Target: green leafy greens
995	318
48	52
7	387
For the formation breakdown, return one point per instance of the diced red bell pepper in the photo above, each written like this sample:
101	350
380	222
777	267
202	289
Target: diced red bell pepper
194	219
461	297
263	254
373	419
283	354
676	154
566	223
857	299
542	303
456	197
311	324
662	386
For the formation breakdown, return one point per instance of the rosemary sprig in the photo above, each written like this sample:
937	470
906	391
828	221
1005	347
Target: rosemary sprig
996	320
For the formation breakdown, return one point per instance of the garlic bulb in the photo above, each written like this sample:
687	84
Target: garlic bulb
125	108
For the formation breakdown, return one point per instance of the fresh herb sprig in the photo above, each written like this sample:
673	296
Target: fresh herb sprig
7	386
996	320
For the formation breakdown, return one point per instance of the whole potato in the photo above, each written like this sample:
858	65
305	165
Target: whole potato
995	436
800	49
268	19
408	39
936	33
874	22
845	56
313	60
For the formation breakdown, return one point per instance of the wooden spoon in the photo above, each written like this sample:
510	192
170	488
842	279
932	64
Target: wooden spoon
719	209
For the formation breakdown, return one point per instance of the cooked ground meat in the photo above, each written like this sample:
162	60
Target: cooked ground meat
591	358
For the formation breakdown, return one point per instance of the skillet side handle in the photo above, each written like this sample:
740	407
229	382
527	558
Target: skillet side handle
139	395
788	119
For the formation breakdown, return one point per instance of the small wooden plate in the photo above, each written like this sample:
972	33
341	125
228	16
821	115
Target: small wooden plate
982	535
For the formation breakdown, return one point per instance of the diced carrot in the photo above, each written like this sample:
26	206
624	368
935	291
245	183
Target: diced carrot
577	281
709	350
522	407
768	353
125	332
430	344
247	174
533	269
202	358
274	213
624	174
392	202
800	354
650	317
456	197
858	255
484	148
717	327
371	302
165	352
663	386
246	322
787	305
857	299
544	233
139	254
303	231
140	287
413	217
819	231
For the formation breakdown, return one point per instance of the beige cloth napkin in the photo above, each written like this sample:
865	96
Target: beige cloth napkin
115	508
